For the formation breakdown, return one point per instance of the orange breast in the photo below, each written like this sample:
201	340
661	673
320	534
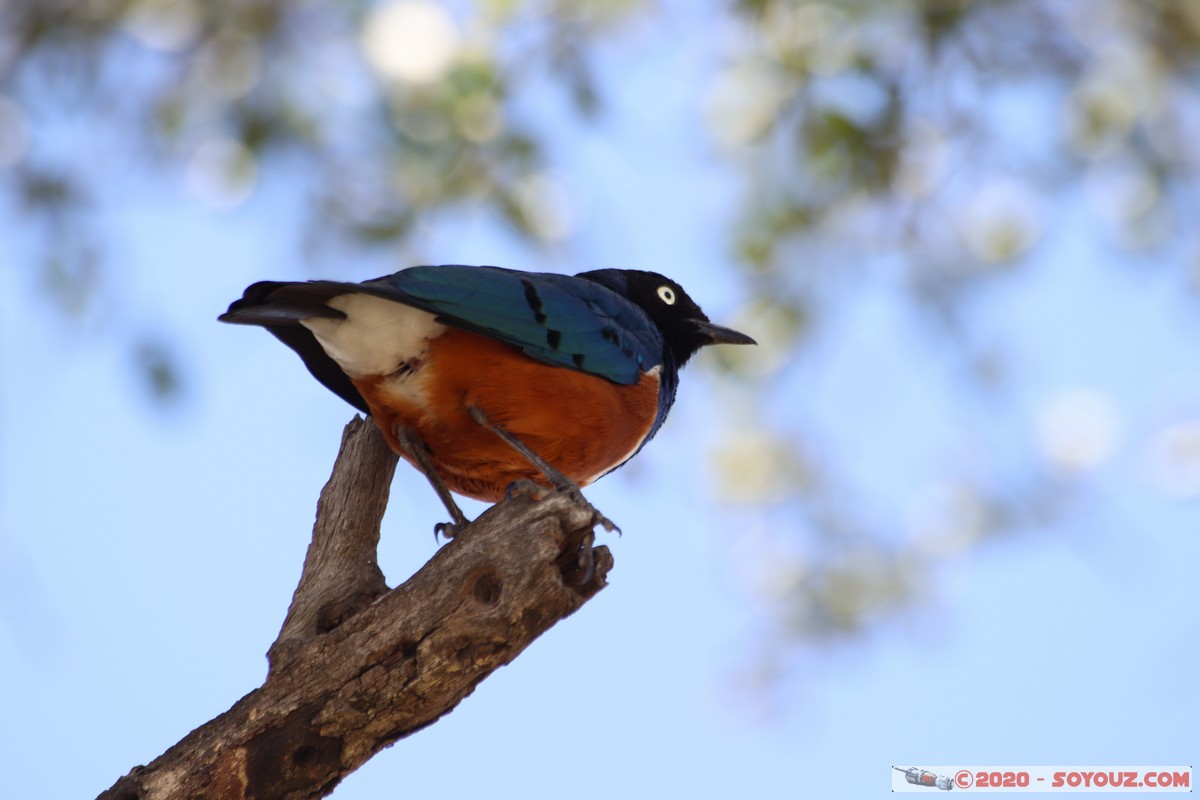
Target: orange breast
582	424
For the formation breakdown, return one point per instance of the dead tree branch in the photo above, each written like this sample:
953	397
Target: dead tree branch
356	666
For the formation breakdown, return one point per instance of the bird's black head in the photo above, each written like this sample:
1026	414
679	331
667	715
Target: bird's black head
684	326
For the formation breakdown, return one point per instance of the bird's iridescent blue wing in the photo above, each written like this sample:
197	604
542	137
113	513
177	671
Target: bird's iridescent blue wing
557	319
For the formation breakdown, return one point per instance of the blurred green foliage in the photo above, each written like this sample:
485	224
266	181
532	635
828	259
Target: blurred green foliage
924	141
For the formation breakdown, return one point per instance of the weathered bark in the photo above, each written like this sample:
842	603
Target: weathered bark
356	666
341	574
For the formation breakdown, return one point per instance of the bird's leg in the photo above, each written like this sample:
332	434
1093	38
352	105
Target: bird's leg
561	482
415	449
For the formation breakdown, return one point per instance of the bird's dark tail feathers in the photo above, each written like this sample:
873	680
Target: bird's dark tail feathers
280	306
281	303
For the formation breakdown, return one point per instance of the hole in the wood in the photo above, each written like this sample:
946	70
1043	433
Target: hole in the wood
408	649
487	588
576	562
304	755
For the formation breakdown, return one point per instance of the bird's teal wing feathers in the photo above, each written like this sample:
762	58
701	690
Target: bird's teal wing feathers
557	319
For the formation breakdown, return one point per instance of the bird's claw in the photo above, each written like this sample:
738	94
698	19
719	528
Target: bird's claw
447	530
597	517
604	522
523	487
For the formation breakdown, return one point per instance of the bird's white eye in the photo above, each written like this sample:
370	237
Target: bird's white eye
667	295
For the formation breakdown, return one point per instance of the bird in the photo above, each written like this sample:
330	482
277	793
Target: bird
490	380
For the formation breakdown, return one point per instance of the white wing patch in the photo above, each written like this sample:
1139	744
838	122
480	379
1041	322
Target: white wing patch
377	337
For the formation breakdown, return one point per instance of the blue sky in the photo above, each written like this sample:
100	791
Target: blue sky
147	556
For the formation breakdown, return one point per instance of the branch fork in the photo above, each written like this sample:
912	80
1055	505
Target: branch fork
358	666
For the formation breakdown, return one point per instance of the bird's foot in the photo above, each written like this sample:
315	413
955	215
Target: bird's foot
597	517
523	487
578	559
449	530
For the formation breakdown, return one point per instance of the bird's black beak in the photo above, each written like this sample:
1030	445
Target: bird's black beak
716	334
